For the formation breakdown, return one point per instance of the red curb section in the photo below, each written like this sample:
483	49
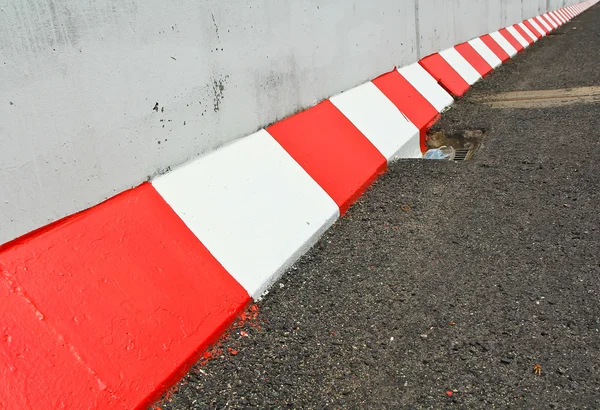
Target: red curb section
523	34
443	72
532	29
110	307
547	20
332	151
543	27
495	47
474	58
512	40
37	370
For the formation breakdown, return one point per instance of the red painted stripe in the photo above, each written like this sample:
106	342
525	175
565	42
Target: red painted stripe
37	370
110	307
532	29
547	20
331	150
539	23
474	58
443	72
563	15
571	12
551	18
409	101
495	47
511	39
523	34
558	16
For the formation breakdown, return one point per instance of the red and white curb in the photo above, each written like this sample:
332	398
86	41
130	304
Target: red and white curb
109	307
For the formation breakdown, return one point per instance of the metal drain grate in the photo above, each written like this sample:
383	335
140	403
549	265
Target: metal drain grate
462	154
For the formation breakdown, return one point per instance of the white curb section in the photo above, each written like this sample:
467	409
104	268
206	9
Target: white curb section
528	32
427	86
484	51
254	208
460	65
380	121
553	23
537	27
518	36
503	42
542	22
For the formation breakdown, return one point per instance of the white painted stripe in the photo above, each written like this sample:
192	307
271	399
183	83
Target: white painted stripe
503	42
564	15
380	121
556	18
569	11
460	65
485	52
542	22
556	14
528	32
537	27
551	20
427	86
252	206
517	36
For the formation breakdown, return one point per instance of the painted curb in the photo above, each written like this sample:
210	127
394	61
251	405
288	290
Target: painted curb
107	308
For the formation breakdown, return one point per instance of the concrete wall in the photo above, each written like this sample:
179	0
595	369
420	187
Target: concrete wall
79	80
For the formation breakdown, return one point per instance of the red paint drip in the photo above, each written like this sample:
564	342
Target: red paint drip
248	318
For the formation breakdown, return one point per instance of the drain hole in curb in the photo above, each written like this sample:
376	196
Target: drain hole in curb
462	154
465	143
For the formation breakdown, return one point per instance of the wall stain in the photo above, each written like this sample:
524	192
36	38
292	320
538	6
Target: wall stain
216	27
218	87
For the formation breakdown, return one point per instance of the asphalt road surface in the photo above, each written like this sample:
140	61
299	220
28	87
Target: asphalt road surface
448	281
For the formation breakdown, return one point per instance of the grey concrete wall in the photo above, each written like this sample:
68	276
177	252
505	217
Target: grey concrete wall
79	81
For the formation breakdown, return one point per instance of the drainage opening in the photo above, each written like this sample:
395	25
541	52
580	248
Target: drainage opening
465	143
462	154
